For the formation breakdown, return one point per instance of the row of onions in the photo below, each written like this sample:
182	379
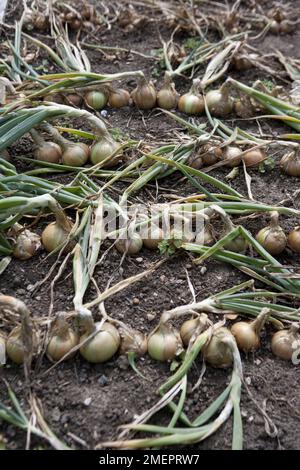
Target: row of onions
99	341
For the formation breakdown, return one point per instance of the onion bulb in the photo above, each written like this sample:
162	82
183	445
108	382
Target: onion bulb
286	342
96	99
103	345
53	236
219	102
205	236
45	151
103	149
133	341
118	98
54	98
193	327
290	163
192	102
211	154
131	245
153	237
247	334
14	345
218	352
233	155
144	95
237	244
167	97
63	340
272	237
254	157
293	240
184	234
164	344
195	161
75	154
26	245
74	99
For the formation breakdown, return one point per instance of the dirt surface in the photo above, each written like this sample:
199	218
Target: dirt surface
116	393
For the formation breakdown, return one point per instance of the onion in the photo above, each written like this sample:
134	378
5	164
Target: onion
133	341
53	236
192	102
119	98
293	240
247	334
103	149
63	340
286	342
237	244
274	26
185	236
242	62
144	95
219	102
254	157
54	98
153	237
167	97
272	237
96	99
164	344
14	346
211	154
103	345
74	99
286	27
233	154
195	161
193	327
290	163
27	244
131	245
49	152
75	154
218	353
205	236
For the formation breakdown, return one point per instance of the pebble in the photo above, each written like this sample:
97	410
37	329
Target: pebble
203	270
248	380
87	401
21	291
163	278
189	266
135	301
30	287
139	260
56	414
151	316
257	362
103	380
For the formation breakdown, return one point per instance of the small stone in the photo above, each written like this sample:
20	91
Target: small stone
139	260
56	414
38	297
30	287
250	419
163	278
20	291
248	380
135	301
104	113
189	266
244	413
151	316
87	401
103	380
203	270
257	362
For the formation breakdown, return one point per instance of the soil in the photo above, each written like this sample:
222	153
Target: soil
91	401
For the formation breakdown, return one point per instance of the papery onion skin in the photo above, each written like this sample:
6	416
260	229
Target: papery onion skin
53	236
245	336
74	99
102	346
253	158
164	344
26	245
217	353
60	345
205	237
49	152
133	341
76	154
290	164
131	245
190	327
211	154
96	99
144	95
273	239
119	98
285	343
293	240
219	103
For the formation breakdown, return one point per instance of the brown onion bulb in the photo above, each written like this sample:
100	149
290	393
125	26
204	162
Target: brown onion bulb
102	346
192	327
205	236
118	98
53	236
219	102
144	95
133	341
272	237
48	152
14	346
233	154
74	99
286	342
218	353
253	158
247	334
290	163
63	340
192	102
164	344
293	240
211	154
27	244
167	97
75	154
131	245
54	98
103	149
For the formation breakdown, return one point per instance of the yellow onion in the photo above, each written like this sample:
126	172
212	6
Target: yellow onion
53	236
153	237
74	99
103	149
274	26
272	237
193	327
286	342
277	14
287	26
218	353
167	97
192	102
237	244
144	95
293	240
118	98
26	245
290	163
247	334
15	349
205	236
49	152
133	341
195	161
131	245
103	345
219	102
211	154
96	99
54	98
233	155
75	154
254	157
41	22
164	344
63	340
243	61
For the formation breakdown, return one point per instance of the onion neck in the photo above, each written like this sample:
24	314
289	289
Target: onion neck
86	320
37	138
261	319
195	88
